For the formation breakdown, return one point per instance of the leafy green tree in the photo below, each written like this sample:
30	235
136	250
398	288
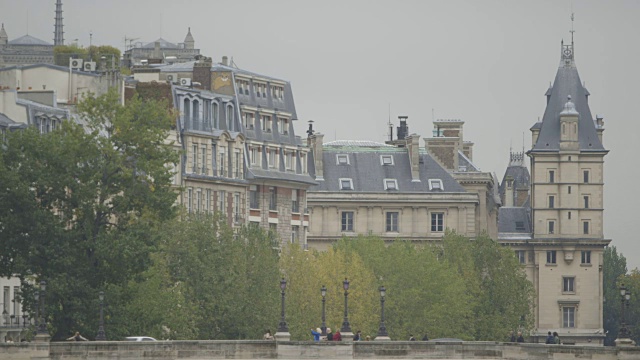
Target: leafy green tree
424	295
632	310
83	204
307	271
614	270
107	57
62	54
230	276
503	295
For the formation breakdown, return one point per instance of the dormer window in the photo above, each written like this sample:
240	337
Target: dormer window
346	184
435	184
342	159
390	184
386	160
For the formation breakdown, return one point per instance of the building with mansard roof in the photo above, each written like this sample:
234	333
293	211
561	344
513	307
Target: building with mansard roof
241	156
557	230
399	189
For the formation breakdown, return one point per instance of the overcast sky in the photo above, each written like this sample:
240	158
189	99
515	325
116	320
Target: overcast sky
488	63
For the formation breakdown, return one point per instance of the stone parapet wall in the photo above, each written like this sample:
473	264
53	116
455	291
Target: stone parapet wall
258	349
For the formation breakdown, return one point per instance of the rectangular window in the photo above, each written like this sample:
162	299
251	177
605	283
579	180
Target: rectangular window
552	226
237	165
551	201
569	189
586	201
203	157
273	198
194	158
569	317
222	201
551	257
569	215
435	184
266	123
585	176
386	160
347	221
568	284
552	176
585	227
272	158
254	199
295	207
390	184
392	221
586	257
303	163
248	120
189	200
346	184
284	126
437	222
294	234
289	160
214	160
222	163
207	203
521	255
16	303
198	200
6	300
342	159
236	208
255	156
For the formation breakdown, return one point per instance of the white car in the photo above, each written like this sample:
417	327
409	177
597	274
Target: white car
140	338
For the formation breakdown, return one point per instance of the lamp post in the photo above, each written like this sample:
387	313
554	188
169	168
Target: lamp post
42	328
36	296
101	335
346	328
282	327
283	330
382	330
323	292
624	335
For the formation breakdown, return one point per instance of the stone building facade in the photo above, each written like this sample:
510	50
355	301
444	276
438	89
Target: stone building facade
558	232
24	50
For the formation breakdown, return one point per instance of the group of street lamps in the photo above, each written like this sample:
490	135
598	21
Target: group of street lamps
346	326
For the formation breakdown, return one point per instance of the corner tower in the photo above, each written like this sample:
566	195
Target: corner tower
58	34
567	183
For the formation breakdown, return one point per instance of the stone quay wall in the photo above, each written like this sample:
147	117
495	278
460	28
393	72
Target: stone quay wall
257	349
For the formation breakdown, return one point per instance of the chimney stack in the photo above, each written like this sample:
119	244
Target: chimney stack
413	145
315	141
225	61
403	129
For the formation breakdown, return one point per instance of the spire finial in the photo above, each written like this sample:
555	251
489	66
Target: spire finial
572	31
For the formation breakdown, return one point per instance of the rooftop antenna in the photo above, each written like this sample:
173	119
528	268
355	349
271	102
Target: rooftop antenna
572	31
523	142
27	21
390	134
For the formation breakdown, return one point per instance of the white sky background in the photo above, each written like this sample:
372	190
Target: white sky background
488	63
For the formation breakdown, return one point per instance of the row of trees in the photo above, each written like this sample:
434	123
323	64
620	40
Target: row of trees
92	209
111	55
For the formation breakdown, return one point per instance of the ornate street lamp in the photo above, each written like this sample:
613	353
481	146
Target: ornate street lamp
323	292
625	296
42	329
36	296
346	328
101	335
382	330
282	327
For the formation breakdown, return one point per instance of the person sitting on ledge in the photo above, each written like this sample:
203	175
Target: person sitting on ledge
77	337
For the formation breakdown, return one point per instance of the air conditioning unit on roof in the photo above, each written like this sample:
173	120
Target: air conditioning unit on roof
89	66
75	63
185	82
172	78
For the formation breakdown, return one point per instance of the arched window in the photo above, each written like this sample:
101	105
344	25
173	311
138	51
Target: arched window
196	114
186	110
206	114
215	113
230	122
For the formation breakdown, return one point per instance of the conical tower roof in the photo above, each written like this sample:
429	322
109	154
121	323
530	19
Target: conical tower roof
567	83
189	37
3	34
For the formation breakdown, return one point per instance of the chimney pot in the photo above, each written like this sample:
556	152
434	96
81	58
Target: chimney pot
225	61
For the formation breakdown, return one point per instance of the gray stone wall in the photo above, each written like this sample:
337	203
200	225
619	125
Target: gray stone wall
258	349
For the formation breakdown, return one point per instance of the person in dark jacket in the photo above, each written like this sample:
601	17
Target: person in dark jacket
520	337
512	337
329	335
425	338
358	336
549	338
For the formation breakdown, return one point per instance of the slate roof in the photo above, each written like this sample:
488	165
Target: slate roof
567	82
520	175
466	162
28	40
368	174
514	220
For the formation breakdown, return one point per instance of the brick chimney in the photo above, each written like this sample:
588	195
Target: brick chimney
413	145
315	142
446	142
202	72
